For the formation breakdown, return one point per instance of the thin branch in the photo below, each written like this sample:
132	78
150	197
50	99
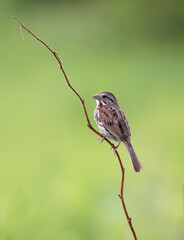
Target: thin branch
88	123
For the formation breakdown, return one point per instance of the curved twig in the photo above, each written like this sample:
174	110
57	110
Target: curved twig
88	123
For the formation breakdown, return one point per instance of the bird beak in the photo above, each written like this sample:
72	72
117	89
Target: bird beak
95	96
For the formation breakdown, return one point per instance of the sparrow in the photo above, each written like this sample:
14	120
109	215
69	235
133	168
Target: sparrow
113	124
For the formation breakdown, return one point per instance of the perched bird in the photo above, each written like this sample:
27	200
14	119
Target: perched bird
113	124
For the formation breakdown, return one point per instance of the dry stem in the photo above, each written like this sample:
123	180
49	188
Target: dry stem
88	123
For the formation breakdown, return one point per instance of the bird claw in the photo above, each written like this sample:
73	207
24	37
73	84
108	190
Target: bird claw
114	149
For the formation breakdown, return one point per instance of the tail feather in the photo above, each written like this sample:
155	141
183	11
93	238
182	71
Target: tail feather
135	162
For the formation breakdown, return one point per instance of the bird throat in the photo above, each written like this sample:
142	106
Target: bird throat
100	103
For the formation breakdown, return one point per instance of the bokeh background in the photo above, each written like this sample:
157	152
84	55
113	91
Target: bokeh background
56	181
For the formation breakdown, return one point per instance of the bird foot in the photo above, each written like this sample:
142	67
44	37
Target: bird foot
115	148
101	140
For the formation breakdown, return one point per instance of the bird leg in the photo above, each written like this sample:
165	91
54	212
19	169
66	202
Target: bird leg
117	145
115	148
100	141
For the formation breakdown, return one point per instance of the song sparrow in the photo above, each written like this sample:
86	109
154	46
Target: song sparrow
113	124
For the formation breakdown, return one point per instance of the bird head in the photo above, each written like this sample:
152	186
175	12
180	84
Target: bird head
105	98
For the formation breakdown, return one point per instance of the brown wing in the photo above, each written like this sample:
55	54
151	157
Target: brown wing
115	122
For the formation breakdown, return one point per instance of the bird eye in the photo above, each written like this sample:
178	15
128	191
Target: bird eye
103	96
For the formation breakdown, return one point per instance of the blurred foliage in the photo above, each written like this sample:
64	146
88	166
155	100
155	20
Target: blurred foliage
56	181
157	19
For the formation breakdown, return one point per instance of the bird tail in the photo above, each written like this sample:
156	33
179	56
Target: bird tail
135	162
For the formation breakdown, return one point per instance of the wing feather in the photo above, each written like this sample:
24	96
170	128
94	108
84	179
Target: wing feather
115	122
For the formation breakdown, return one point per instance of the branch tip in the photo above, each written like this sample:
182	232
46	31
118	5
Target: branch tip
21	32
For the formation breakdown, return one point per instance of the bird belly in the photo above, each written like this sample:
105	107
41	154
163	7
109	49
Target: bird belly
104	131
107	133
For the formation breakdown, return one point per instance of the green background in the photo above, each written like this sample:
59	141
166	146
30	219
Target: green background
56	181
